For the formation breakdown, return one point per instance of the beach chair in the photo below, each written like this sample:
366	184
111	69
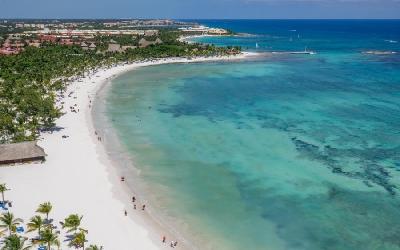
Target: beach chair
3	206
47	221
20	229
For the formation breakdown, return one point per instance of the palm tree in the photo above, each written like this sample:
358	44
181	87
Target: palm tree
49	238
15	242
3	188
8	221
94	247
72	222
36	223
79	239
45	208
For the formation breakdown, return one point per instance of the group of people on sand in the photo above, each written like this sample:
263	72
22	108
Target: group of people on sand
134	203
74	109
133	200
98	137
172	244
164	239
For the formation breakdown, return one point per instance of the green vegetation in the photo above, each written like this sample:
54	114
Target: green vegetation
79	239
45	208
15	242
41	231
94	247
72	222
8	221
47	237
36	223
3	188
31	80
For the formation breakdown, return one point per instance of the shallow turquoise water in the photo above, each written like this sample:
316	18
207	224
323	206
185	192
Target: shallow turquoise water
280	152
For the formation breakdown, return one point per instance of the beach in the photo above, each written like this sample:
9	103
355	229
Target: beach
78	177
281	150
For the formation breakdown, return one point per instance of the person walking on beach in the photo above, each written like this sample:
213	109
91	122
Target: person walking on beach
134	206
143	207
175	243
126	213
163	239
133	198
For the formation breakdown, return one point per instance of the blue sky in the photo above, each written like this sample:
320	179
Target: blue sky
200	9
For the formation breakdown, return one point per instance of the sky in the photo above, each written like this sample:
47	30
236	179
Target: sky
202	9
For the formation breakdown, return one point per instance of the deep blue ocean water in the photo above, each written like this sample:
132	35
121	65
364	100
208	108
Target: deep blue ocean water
278	152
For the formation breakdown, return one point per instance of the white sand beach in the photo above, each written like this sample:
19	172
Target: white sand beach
78	177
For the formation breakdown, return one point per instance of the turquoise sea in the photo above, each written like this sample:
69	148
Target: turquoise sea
277	152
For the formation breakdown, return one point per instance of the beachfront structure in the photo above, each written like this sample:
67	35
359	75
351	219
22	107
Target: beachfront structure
48	38
21	152
204	30
84	46
151	33
92	46
115	47
84	33
11	46
33	43
143	43
8	51
66	42
124	48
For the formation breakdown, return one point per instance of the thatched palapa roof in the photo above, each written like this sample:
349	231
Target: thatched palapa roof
143	43
20	152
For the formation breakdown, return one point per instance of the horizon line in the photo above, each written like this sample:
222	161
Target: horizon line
166	18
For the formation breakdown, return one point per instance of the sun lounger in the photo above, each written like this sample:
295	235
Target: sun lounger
20	229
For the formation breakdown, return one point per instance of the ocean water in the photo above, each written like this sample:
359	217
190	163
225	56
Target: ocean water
278	152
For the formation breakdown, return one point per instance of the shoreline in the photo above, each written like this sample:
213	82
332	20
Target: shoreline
189	38
79	176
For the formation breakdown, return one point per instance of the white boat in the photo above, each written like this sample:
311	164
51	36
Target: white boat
379	52
305	52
